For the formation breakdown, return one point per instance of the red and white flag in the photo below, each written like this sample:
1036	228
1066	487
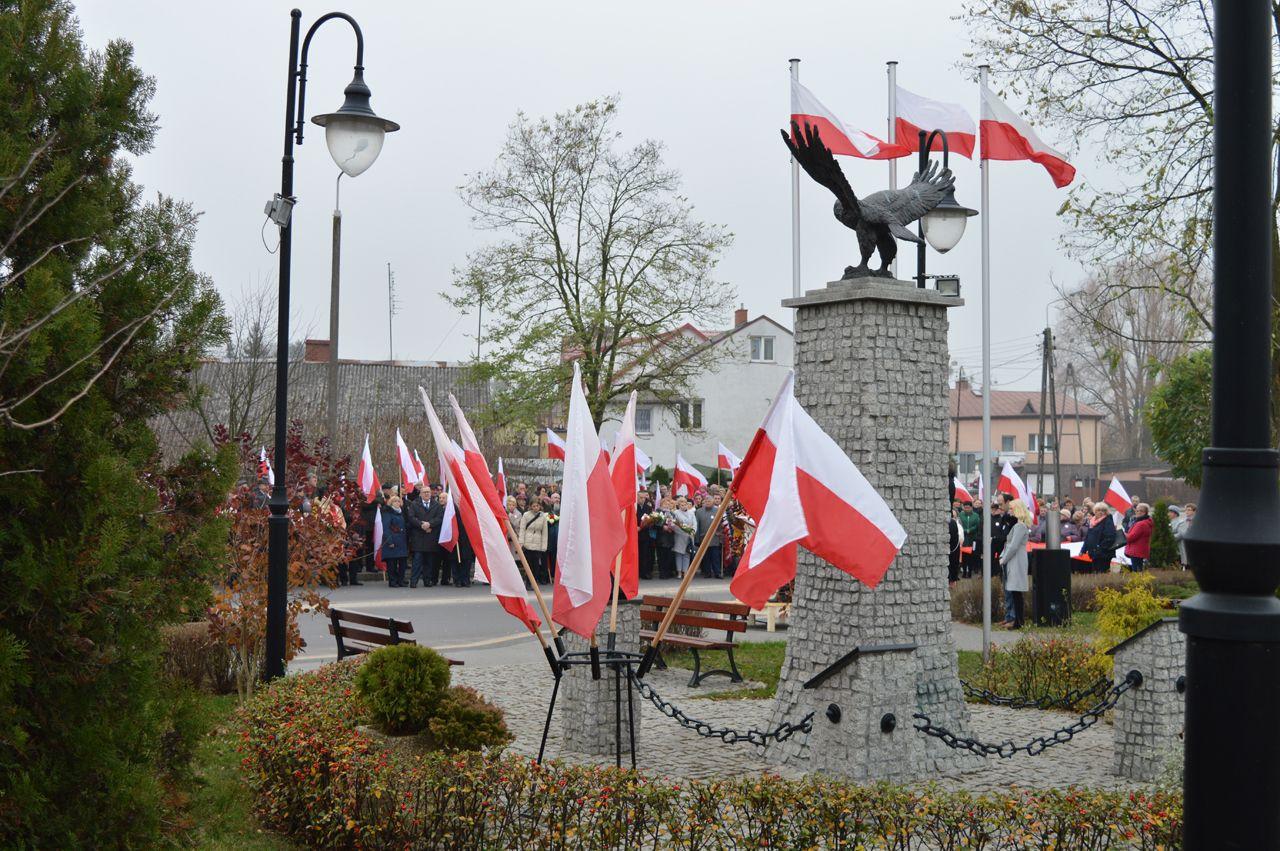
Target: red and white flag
365	475
408	472
591	532
643	462
1011	483
1117	497
420	470
483	530
555	445
449	523
1005	136
501	484
264	468
622	471
836	135
474	458
726	460
686	476
804	491
916	113
377	540
962	493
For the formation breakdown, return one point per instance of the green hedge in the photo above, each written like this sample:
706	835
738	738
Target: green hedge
316	778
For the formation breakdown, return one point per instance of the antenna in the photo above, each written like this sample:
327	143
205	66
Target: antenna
392	309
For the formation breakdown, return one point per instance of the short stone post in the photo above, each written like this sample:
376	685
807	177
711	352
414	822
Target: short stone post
1148	719
862	725
586	706
871	368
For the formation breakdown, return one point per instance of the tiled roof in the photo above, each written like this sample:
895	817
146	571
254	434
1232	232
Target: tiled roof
1010	403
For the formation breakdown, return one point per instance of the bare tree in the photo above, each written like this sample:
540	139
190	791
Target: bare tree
1119	329
601	261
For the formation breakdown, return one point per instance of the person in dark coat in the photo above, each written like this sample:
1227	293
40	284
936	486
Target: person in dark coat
644	507
425	516
464	559
395	541
955	535
1099	537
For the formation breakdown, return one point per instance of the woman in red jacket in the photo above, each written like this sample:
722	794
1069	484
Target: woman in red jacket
1137	545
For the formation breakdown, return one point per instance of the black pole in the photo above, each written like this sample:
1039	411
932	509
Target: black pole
926	142
278	525
1231	769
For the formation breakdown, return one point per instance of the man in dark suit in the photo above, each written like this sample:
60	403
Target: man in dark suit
644	506
425	515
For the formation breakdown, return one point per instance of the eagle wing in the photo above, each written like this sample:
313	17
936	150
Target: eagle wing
820	164
920	196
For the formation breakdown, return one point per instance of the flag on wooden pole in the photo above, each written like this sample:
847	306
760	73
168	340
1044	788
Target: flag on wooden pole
622	471
555	445
686	476
1117	497
726	460
365	475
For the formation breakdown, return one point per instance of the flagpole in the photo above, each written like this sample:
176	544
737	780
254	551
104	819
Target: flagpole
986	375
795	205
533	583
893	137
652	650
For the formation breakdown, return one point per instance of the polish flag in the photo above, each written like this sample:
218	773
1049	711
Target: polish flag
420	470
962	493
264	468
836	135
365	475
917	113
474	458
501	484
483	530
555	445
1011	483
622	470
408	473
449	523
1005	136
803	490
686	475
591	532
1117	497
643	462
726	460
377	540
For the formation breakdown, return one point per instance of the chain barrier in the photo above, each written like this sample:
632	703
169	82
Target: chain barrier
729	736
1064	701
1039	744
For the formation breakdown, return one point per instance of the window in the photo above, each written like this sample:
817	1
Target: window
1033	442
644	419
1006	442
762	349
690	413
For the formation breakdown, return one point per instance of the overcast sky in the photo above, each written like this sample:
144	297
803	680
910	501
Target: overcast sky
708	79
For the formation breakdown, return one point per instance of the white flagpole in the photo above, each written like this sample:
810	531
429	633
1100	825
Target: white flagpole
893	137
795	207
983	165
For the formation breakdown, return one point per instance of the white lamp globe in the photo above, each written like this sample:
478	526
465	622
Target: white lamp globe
944	224
354	134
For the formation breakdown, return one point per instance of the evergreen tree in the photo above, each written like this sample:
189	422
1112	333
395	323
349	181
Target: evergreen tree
101	320
1164	548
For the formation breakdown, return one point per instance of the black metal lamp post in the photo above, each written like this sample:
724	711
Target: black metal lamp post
354	135
944	224
1232	764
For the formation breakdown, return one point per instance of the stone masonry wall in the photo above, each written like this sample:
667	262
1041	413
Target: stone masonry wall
584	698
871	368
1149	718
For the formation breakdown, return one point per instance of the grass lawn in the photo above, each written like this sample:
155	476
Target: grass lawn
219	812
757	660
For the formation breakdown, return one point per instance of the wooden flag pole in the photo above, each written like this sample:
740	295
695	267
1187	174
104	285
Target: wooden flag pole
617	581
652	650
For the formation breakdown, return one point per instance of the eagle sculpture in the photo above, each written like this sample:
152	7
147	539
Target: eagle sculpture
881	216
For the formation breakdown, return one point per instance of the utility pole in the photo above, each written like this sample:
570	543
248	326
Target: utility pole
1044	389
331	376
1053	414
391	312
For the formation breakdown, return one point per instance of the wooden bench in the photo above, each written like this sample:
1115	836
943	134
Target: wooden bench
381	632
699	613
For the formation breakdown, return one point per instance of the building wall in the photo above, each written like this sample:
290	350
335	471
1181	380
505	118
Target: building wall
736	395
970	433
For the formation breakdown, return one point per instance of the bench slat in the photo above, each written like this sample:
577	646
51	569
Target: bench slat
371	620
687	640
719	608
382	638
656	615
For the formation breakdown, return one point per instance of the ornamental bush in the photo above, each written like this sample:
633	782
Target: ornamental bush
1121	613
1036	667
1164	547
325	784
402	686
465	721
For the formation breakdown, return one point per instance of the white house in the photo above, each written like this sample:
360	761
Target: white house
726	404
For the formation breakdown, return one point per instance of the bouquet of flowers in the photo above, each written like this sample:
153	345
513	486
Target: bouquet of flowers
552	519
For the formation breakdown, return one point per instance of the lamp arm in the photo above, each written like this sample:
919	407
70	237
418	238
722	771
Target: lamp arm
946	148
301	73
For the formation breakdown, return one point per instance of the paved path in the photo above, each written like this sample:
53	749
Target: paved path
667	749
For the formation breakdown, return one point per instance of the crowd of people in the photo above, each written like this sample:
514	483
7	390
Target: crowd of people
1091	524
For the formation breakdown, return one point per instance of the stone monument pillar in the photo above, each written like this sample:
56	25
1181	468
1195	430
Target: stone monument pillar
594	700
872	368
1149	718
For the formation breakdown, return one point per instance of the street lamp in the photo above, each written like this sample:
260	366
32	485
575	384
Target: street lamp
944	224
354	135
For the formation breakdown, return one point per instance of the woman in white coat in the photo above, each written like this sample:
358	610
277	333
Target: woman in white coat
1014	560
685	525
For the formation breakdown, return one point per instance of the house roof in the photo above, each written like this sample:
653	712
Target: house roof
1009	403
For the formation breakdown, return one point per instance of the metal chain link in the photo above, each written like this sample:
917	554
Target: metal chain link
1064	701
781	733
1039	744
